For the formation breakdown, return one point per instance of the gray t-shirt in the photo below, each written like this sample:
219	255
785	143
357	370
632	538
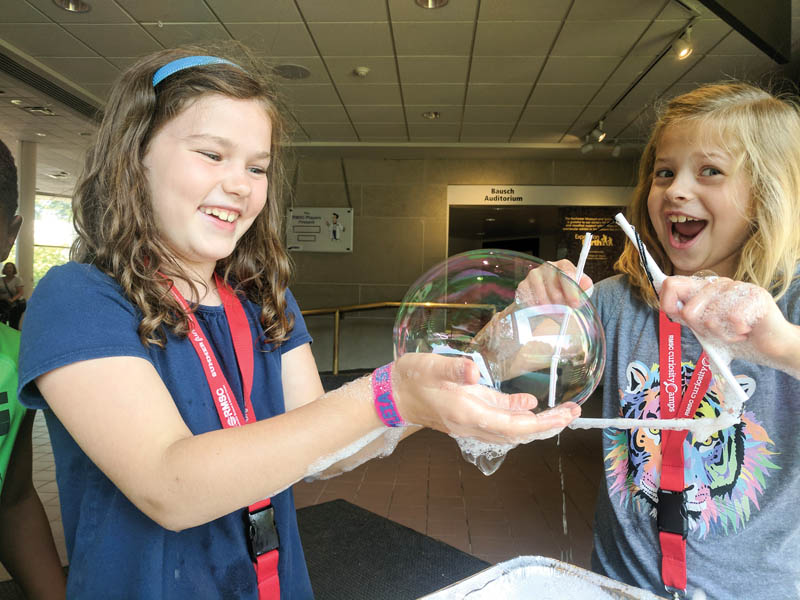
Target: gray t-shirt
744	482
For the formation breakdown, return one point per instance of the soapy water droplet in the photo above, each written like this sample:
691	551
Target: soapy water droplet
469	305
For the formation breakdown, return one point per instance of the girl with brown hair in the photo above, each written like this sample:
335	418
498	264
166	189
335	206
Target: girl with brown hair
182	397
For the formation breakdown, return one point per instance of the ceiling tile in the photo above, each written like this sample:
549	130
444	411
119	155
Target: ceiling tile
434	131
524	10
499	131
545	134
382	130
320	114
491	113
173	11
427	93
102	12
22	12
274	39
122	62
370	94
578	69
433	69
309	93
447	114
342	12
115	39
733	44
553	115
330	132
716	68
442	39
525	38
352	39
101	90
608	94
630	69
244	11
177	34
505	69
587	38
376	114
555	94
83	70
405	10
382	69
46	39
615	10
486	93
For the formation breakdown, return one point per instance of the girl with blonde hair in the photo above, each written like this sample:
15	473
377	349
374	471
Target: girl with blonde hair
718	207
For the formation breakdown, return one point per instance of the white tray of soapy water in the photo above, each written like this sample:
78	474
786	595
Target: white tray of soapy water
538	578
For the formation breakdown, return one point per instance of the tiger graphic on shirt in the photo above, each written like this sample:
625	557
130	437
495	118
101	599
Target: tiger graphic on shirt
725	474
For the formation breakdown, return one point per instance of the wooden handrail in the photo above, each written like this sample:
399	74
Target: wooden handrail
337	312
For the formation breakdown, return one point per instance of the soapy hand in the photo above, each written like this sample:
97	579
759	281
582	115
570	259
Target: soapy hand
443	393
741	318
544	285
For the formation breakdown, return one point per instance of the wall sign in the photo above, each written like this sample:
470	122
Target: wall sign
315	229
552	195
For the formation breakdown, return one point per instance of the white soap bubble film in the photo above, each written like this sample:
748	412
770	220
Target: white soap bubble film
526	336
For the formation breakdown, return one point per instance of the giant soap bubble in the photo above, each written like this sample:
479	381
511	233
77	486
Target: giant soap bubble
543	339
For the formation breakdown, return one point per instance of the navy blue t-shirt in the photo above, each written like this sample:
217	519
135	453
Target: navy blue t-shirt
115	551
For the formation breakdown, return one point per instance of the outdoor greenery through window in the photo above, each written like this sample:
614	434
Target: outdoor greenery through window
52	234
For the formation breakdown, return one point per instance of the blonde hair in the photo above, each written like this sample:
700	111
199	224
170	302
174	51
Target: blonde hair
762	133
113	208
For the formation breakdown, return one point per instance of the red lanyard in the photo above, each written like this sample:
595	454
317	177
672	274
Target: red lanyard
674	403
265	560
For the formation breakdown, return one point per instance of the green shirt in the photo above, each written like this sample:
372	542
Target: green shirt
11	411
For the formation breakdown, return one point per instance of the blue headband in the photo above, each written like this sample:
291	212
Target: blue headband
186	62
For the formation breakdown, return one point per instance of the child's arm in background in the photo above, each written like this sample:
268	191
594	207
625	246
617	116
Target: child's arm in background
740	317
27	549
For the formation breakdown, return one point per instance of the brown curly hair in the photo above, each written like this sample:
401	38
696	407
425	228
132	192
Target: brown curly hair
113	208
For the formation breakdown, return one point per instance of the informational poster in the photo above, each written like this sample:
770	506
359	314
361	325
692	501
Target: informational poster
607	238
315	229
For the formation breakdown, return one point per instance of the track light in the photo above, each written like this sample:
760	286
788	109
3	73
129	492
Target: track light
683	45
598	133
587	146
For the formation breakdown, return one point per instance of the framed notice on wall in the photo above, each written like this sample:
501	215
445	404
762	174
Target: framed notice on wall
314	229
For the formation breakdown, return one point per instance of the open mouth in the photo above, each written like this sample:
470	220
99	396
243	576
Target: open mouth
684	229
221	214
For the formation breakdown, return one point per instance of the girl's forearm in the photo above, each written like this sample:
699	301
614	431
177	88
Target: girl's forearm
201	476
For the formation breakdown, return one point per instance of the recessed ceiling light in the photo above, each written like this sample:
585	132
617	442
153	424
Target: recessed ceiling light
431	3
74	6
490	219
16	101
58	174
292	71
41	134
431	115
39	110
361	71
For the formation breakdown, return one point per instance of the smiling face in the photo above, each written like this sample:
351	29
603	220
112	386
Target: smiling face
206	172
699	202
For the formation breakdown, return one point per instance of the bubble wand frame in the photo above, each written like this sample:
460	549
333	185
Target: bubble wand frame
702	428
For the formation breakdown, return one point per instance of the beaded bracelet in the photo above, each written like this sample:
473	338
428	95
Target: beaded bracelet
384	400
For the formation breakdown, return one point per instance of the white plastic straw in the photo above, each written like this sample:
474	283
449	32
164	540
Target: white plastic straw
551	399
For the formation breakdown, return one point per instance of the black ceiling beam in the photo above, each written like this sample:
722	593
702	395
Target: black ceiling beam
765	23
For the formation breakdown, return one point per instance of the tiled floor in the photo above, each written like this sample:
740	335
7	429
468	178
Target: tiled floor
426	485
